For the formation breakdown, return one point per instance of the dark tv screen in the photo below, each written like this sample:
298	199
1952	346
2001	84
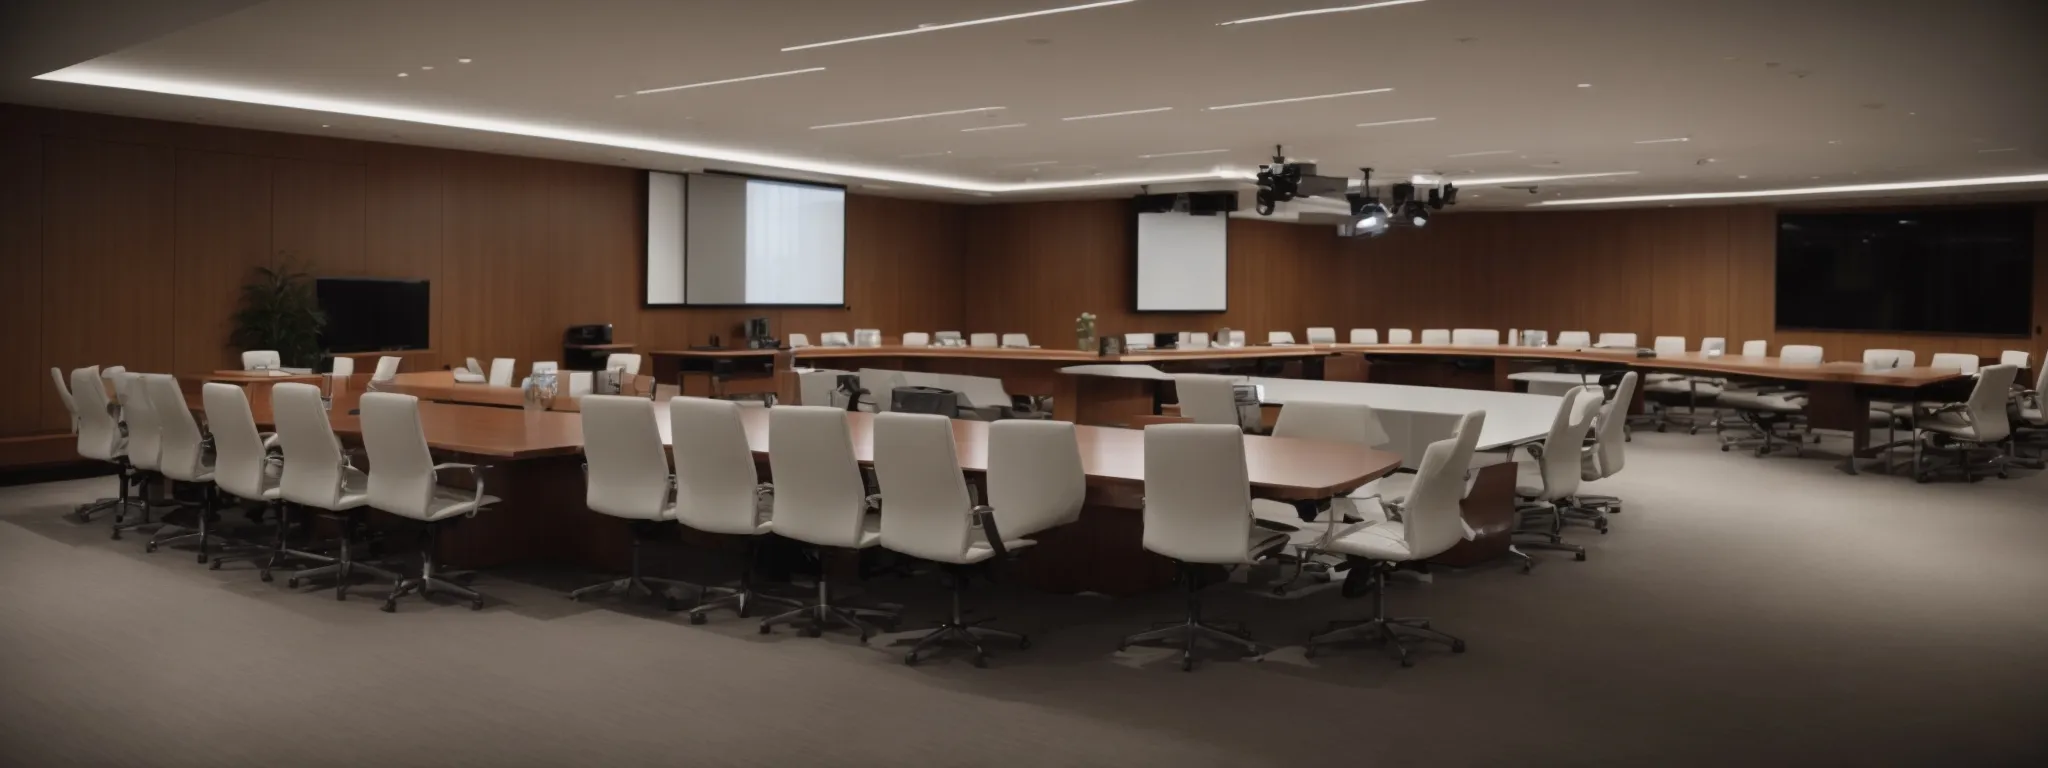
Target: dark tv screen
373	315
1960	270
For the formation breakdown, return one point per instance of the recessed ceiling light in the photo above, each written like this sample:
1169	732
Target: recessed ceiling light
462	61
1317	12
1300	98
1834	141
1004	126
1183	154
1484	153
1664	141
429	66
1742	176
1396	122
1585	85
405	74
906	117
2000	149
325	125
922	28
1985	181
1118	114
729	80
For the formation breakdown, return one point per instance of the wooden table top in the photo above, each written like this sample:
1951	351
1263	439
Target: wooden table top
715	354
1013	353
1689	362
251	377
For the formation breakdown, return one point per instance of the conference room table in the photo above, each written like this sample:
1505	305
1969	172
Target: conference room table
533	461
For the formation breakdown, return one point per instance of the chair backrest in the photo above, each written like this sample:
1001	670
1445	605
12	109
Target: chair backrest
267	359
946	336
1574	339
1338	422
834	339
1560	462
1279	337
1200	340
820	387
1137	341
1035	481
1756	348
625	469
182	447
501	372
2013	357
1433	516
1801	353
1617	340
982	340
1017	340
580	383
387	368
924	495
1987	404
820	497
473	366
1197	493
1400	336
1322	335
1714	344
917	339
64	394
145	437
716	480
238	453
312	457
1232	339
867	337
1610	430
1955	361
1437	336
341	366
1888	358
881	385
401	466
1365	336
1475	337
799	341
1207	398
627	360
1668	346
99	432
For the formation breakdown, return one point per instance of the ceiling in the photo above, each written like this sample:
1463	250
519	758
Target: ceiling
1768	94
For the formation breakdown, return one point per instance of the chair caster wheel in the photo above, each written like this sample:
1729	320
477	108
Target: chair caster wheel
1024	643
812	632
1724	449
910	659
671	603
115	536
1280	590
1603	530
1187	665
201	558
150	547
1660	428
765	629
1693	431
1922	478
1407	662
980	661
291	583
476	604
1309	652
265	576
1581	557
1457	646
1528	568
389	606
340	597
696	619
213	566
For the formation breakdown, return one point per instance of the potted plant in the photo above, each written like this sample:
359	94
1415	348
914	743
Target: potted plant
280	311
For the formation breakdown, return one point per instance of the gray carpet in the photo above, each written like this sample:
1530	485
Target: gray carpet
1742	610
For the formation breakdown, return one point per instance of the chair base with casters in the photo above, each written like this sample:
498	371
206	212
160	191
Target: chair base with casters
120	504
252	551
958	632
280	551
634	583
1393	634
172	534
431	580
140	501
1191	632
1761	428
1971	461
814	618
741	599
1544	523
343	567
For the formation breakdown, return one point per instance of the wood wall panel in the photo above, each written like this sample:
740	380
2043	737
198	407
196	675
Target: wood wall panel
24	379
318	215
493	238
223	234
403	188
592	250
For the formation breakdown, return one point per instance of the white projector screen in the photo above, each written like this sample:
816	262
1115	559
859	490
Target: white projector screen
718	240
1183	263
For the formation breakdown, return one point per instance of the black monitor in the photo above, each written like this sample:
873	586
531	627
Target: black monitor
369	315
1167	340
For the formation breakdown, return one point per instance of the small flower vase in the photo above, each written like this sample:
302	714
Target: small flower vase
540	392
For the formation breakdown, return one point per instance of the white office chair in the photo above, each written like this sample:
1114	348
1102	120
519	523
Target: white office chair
387	369
405	481
718	491
1475	337
2015	358
1673	387
101	437
1400	336
1432	521
1365	336
820	386
820	500
1209	398
1234	339
1801	354
1436	336
626	361
1980	423
1617	340
1885	359
318	476
929	514
261	360
947	338
1354	423
983	340
1546	485
1605	456
581	383
1198	512
1756	348
501	372
145	441
1279	338
1966	364
1765	408
64	394
1668	346
626	476
471	365
1322	335
342	366
917	339
799	341
185	455
246	464
1714	344
1574	339
1035	481
1137	341
867	337
881	386
1016	341
834	339
1200	340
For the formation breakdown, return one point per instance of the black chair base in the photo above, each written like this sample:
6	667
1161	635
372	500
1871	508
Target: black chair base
957	632
1191	632
634	583
1396	635
431	580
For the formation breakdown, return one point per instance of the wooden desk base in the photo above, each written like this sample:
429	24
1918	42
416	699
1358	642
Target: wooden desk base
1489	507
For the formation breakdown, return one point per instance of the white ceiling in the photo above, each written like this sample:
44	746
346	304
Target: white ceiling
1787	93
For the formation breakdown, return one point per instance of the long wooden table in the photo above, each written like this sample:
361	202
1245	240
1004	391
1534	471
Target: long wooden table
536	459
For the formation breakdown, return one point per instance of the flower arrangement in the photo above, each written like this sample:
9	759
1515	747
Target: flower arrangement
1084	331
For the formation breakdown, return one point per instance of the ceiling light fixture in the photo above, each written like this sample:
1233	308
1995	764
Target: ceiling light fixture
920	29
1299	99
729	80
1183	154
1397	122
1118	114
902	118
1480	181
1983	181
1004	126
1317	12
462	61
1484	153
1665	141
107	77
405	74
1585	85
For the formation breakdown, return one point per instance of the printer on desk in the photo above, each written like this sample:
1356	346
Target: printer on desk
585	347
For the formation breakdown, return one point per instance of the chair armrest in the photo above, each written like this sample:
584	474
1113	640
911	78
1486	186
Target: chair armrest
985	516
476	476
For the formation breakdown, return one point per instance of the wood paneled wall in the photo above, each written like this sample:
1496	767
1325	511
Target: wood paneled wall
126	242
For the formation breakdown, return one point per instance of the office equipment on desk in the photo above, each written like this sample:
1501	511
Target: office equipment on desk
405	481
758	334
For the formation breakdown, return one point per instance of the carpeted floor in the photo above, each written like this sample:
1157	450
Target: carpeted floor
1742	611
